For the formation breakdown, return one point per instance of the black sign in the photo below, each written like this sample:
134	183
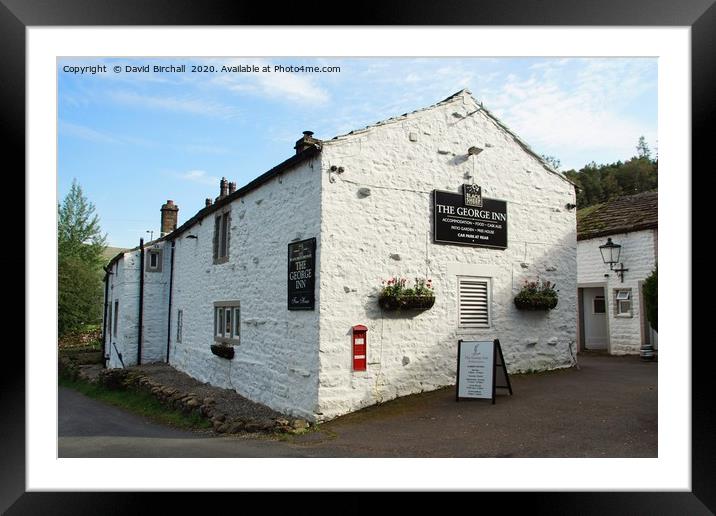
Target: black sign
481	370
456	223
301	274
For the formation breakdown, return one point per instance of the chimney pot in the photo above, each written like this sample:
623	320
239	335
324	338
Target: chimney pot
223	188
232	187
306	141
170	213
208	201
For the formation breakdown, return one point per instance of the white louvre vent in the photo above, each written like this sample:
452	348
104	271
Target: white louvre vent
474	302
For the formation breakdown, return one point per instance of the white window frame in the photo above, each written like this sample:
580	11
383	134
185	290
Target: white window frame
468	327
232	334
222	236
623	297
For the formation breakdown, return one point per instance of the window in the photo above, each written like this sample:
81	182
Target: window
599	305
622	305
473	302
222	225
227	322
116	317
108	328
154	260
180	322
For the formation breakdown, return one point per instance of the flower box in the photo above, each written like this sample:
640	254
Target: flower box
223	351
406	302
535	303
537	295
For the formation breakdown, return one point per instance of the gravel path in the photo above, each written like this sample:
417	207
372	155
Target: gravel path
228	401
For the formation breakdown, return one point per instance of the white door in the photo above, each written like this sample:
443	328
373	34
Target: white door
595	318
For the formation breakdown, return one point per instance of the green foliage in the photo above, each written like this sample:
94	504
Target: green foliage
80	245
395	288
537	295
600	183
651	298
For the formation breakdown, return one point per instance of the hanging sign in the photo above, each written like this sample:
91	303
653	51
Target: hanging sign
469	219
301	274
481	370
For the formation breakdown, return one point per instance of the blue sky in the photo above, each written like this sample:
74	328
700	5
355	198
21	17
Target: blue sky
134	140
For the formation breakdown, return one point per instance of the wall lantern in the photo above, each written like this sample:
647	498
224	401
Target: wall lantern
610	255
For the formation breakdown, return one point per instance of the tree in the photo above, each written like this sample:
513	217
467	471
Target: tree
80	244
651	298
642	148
552	161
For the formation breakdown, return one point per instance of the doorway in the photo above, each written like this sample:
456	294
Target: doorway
593	317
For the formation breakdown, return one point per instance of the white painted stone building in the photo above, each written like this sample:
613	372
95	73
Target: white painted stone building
367	198
611	305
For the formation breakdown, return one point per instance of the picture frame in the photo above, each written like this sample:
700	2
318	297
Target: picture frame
16	16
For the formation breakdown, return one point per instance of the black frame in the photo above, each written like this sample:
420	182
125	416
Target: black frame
464	244
699	15
310	291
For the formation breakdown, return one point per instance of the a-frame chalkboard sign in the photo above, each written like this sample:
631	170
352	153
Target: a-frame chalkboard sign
481	370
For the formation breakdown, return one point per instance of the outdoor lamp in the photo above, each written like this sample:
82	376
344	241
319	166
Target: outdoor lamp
610	255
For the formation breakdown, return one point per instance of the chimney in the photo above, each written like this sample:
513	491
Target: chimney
305	142
208	201
170	212
232	187
223	188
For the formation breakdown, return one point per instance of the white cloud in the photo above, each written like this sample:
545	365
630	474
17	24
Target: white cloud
85	133
199	176
289	86
191	105
563	110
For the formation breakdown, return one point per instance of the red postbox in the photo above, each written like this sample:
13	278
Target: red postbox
360	347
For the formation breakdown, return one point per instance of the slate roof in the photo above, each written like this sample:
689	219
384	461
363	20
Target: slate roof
621	215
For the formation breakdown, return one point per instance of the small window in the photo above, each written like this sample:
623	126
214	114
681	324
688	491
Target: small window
116	317
473	302
222	225
237	325
599	305
622	303
227	324
180	322
154	260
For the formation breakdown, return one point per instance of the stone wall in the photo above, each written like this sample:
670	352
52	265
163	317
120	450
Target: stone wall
638	254
276	362
377	223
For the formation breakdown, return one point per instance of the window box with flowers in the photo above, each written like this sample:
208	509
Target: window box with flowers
537	295
394	296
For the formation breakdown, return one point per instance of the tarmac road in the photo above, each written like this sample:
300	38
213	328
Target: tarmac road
608	408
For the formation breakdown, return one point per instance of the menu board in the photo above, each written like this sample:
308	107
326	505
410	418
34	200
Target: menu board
481	369
476	369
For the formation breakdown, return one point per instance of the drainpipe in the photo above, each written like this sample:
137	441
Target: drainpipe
104	317
169	316
141	300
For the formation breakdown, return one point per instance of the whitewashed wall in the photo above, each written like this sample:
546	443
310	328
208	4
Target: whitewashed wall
638	254
124	286
368	239
277	361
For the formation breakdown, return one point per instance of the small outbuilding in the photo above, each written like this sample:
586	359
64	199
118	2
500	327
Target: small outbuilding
623	231
274	289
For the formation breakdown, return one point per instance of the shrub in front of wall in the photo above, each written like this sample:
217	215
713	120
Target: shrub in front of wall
651	298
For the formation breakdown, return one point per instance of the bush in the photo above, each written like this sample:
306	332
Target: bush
651	297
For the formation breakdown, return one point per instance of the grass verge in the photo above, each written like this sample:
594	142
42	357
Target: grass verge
140	403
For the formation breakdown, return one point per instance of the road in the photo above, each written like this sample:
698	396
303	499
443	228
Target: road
608	408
